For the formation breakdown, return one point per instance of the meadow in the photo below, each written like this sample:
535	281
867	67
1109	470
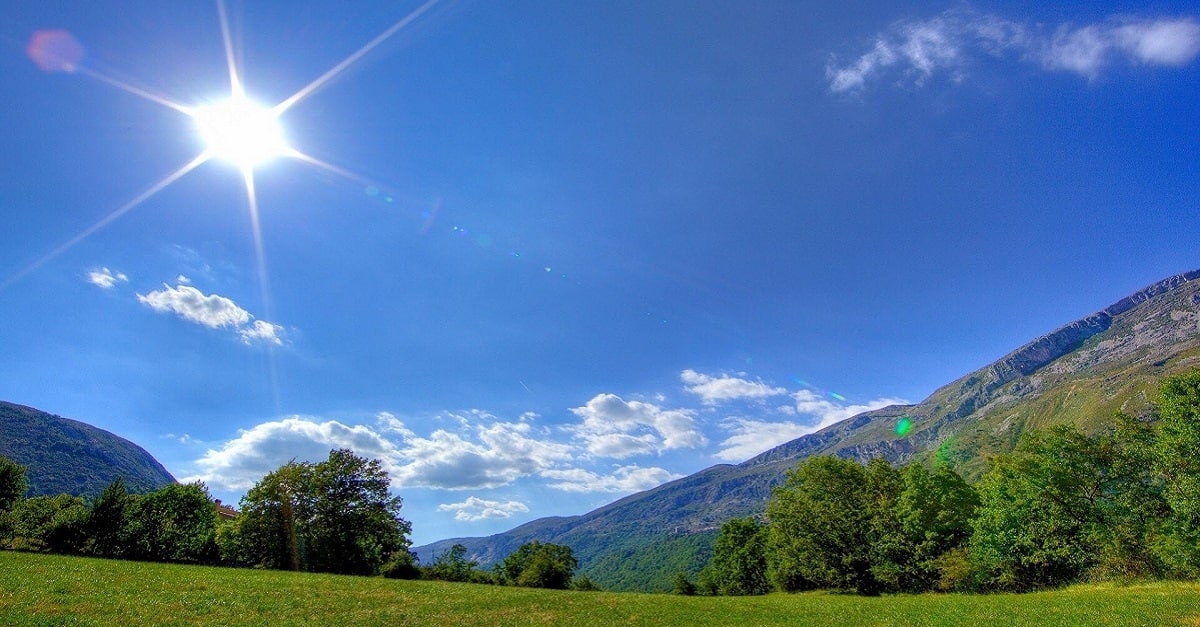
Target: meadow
40	589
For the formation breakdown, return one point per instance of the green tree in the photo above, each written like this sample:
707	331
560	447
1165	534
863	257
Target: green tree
1176	457
453	565
739	562
275	519
1060	505
356	524
820	528
108	521
539	565
334	516
682	585
176	523
933	513
13	484
49	523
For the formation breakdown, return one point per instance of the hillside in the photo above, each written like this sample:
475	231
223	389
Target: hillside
1082	373
67	456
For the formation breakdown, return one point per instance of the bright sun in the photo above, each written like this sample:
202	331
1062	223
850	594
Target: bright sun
241	132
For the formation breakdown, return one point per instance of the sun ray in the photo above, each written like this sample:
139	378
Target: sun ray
235	81
320	81
325	165
108	219
137	91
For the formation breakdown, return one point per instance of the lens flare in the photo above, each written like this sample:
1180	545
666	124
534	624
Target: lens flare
903	426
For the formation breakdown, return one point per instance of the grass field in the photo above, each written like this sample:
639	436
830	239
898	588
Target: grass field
57	590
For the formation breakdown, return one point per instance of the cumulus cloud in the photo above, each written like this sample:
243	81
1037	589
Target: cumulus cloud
475	508
713	390
625	479
949	42
239	463
613	427
211	310
105	278
483	456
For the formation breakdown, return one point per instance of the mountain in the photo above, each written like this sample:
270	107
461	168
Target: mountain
66	456
1082	373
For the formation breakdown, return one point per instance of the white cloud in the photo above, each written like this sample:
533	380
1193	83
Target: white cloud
625	479
213	311
475	508
828	412
239	463
713	390
613	427
948	43
105	278
751	437
262	331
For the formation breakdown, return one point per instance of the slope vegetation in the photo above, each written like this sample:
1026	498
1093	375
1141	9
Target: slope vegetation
67	456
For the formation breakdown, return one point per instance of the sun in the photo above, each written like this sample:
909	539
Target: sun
240	131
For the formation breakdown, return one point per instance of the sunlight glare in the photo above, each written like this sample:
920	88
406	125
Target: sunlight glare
241	132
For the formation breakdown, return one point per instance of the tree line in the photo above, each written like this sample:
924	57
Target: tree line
1063	507
334	516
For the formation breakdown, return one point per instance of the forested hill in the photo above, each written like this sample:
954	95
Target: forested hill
68	456
1082	374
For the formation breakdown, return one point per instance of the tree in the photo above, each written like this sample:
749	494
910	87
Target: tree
176	523
682	585
108	521
933	513
1175	458
539	565
1061	504
334	516
13	484
49	523
453	565
739	562
820	528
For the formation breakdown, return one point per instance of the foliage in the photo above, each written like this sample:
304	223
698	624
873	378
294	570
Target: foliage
49	523
334	516
39	589
453	565
538	565
739	563
106	524
682	585
583	583
819	528
1176	458
402	565
652	565
13	484
1063	503
177	523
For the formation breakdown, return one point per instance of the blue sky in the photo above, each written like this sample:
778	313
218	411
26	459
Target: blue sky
539	255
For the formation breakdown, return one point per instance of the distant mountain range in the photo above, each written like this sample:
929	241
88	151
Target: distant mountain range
67	456
1082	373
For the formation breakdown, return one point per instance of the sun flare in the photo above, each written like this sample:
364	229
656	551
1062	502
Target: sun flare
240	131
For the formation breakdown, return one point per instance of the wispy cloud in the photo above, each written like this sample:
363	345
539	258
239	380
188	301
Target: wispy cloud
914	51
105	278
624	479
475	508
809	413
713	390
213	311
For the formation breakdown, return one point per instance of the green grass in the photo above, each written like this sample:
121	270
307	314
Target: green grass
55	590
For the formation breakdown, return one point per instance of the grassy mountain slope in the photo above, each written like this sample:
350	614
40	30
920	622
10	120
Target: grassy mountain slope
67	456
1082	373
